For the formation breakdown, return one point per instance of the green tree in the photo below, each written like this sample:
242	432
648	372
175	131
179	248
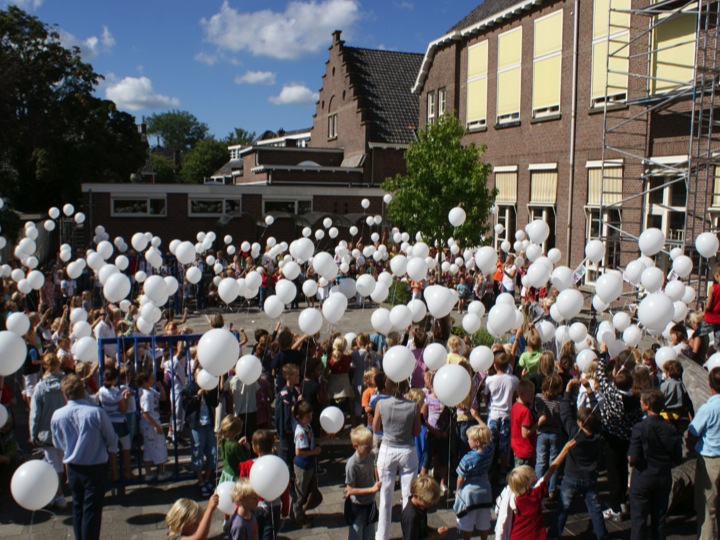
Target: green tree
240	136
164	169
179	130
442	173
204	159
54	134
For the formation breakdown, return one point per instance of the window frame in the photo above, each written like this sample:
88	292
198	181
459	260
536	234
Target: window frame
482	78
295	200
430	103
509	116
138	198
223	200
550	109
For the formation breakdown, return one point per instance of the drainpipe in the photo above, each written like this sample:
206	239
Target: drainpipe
573	121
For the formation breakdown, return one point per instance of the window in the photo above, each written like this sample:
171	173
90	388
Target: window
674	58
477	85
507	217
716	188
604	187
332	126
547	64
441	102
211	207
431	107
139	206
543	198
666	205
610	32
295	207
508	76
506	199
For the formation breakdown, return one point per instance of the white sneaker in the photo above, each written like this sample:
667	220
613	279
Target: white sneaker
150	477
60	503
612	515
165	475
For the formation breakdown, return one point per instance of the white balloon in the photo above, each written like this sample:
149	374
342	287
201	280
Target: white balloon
34	484
365	203
78	314
269	477
434	356
49	225
651	241
608	287
225	502
569	303
248	369
398	363
682	266
310	321
139	242
440	300
680	311
122	262
481	358
68	210
207	381
632	335
13	350
86	349
502	318
156	289
4	416
595	251
621	321
457	216
578	332
332	420
663	354
452	384
652	279
117	286
656	311
584	358
228	290
418	310
380	321
81	329
689	295
185	252
334	307
471	323
172	285
18	322
713	362
273	306
546	330
400	317
218	351
141	276
310	287
144	326
380	293
538	231
707	244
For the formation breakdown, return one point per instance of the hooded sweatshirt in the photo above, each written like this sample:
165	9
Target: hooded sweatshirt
46	399
582	461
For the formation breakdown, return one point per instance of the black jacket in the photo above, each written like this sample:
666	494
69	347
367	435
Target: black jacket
191	404
582	461
655	447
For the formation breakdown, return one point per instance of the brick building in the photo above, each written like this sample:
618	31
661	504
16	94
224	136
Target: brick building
593	155
365	119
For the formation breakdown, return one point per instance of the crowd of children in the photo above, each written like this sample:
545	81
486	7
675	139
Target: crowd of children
533	422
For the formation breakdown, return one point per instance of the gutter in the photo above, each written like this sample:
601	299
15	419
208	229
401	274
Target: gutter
573	122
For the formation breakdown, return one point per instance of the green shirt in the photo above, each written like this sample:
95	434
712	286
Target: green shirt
529	360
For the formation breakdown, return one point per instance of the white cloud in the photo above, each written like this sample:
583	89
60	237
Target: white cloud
204	58
89	47
256	77
294	94
26	5
108	40
136	93
404	5
304	27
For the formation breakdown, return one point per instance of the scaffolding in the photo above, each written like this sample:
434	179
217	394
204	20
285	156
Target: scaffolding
661	140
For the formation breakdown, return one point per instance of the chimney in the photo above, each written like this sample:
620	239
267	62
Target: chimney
336	37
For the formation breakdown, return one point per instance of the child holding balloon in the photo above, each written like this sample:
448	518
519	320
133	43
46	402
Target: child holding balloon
243	523
304	463
184	519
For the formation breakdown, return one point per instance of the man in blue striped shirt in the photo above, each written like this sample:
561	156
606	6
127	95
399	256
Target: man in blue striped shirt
86	436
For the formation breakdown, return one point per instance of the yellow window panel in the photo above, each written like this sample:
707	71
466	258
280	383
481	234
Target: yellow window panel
673	63
508	92
546	82
478	60
548	34
618	80
543	187
509	48
506	184
601	17
612	186
477	100
716	190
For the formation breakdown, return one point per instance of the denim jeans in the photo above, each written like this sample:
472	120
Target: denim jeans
547	450
361	529
203	445
571	487
268	520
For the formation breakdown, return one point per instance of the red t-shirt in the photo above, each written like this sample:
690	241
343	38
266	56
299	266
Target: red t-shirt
520	416
528	521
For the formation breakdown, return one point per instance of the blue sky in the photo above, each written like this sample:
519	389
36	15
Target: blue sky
255	64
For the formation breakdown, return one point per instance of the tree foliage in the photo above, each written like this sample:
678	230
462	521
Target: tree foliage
54	134
179	130
240	136
164	169
442	173
205	158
